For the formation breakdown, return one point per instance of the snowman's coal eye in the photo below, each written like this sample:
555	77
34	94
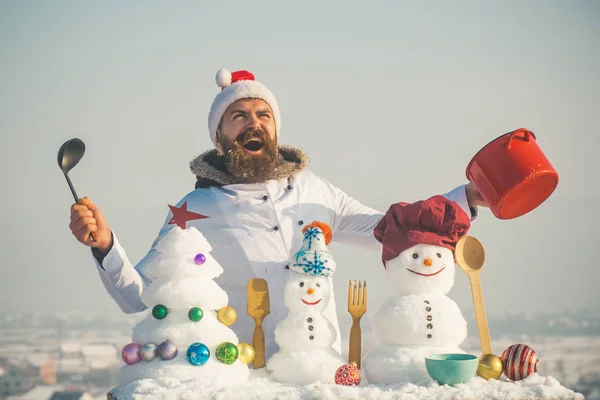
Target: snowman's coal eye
301	284
318	285
415	255
438	255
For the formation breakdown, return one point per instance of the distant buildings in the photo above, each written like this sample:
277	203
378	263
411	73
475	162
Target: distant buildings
74	395
15	379
33	375
55	392
41	392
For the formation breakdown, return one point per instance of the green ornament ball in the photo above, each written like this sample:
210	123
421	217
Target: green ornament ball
195	314
227	353
159	311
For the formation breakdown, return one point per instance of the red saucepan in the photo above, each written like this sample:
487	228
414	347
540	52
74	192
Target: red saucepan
512	174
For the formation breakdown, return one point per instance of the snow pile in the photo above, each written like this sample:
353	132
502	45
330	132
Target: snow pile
261	387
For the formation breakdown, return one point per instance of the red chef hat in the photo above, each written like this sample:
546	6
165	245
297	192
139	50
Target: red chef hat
436	221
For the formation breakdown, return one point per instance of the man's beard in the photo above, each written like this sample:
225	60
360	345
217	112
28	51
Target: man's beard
251	168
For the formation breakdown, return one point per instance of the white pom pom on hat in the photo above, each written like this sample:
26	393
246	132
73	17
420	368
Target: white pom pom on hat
235	86
223	78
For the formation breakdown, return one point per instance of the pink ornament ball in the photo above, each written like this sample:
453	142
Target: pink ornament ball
131	353
348	375
519	361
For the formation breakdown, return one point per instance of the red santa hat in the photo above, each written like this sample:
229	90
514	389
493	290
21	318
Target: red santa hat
235	86
437	221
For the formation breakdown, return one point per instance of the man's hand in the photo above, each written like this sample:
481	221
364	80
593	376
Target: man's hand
474	197
86	217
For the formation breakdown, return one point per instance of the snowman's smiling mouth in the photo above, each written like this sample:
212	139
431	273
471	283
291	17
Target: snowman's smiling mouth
419	273
309	303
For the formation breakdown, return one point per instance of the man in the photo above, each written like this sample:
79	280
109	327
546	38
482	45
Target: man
251	201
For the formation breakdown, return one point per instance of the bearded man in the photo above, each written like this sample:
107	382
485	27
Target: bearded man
254	197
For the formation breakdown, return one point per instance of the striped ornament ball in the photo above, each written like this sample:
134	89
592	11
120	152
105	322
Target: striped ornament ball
519	361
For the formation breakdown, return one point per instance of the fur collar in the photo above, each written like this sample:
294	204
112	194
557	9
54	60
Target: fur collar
210	169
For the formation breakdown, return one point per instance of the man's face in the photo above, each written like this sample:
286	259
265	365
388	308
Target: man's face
247	139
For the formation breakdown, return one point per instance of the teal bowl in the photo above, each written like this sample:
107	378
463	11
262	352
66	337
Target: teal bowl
451	369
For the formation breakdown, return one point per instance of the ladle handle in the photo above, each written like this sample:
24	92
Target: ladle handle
91	235
480	315
71	187
258	341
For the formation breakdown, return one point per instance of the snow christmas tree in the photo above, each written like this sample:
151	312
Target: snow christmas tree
186	334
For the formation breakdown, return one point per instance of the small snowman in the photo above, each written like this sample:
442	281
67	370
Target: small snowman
305	336
419	319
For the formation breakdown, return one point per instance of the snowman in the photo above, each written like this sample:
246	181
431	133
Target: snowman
419	319
305	336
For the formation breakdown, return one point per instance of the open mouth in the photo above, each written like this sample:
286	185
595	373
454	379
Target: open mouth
311	304
435	273
253	145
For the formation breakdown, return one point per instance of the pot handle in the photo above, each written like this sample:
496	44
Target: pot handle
527	133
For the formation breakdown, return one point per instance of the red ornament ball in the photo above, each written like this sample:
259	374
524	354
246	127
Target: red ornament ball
348	375
519	361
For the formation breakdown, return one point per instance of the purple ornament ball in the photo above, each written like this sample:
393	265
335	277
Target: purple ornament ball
131	353
199	259
167	350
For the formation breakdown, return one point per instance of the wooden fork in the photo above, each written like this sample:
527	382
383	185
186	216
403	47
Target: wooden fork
357	307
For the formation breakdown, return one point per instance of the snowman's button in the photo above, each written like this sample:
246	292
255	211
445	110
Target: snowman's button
429	336
309	320
265	197
429	326
310	327
429	318
426	301
428	308
311	337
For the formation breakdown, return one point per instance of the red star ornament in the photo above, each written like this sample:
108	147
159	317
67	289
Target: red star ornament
181	215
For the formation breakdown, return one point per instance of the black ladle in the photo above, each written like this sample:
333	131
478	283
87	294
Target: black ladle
69	154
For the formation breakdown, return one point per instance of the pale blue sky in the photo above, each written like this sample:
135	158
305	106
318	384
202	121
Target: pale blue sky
389	99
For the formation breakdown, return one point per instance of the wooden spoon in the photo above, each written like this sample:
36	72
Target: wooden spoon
259	307
470	257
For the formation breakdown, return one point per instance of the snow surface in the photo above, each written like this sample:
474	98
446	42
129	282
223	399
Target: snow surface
261	387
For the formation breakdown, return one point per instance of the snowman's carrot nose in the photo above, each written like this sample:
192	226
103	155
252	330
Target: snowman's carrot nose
310	291
427	262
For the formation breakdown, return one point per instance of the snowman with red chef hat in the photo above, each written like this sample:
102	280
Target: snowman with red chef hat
419	319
